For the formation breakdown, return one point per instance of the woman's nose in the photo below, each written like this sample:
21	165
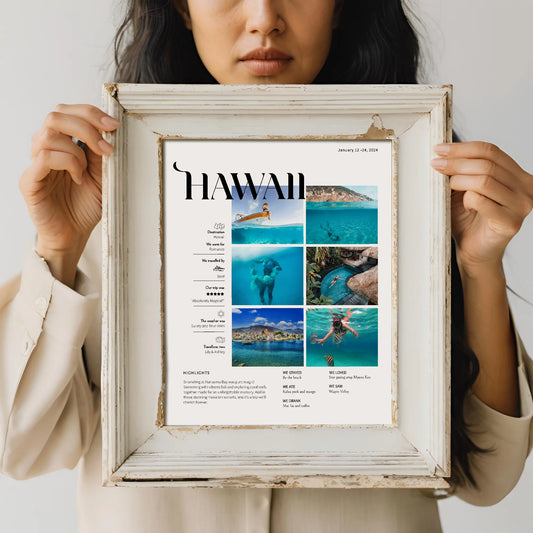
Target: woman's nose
264	16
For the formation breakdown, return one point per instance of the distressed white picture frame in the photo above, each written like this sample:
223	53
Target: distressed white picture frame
138	448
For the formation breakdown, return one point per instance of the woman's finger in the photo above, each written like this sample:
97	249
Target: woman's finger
79	128
474	167
46	161
478	150
499	218
93	115
49	139
480	167
489	187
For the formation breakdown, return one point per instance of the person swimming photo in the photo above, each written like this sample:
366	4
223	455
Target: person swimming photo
339	327
264	282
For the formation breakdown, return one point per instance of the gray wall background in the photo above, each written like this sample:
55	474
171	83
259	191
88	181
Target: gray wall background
59	51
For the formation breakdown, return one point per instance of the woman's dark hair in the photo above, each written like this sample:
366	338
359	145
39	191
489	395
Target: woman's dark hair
152	45
374	42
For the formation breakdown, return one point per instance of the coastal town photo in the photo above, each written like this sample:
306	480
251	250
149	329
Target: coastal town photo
267	337
341	214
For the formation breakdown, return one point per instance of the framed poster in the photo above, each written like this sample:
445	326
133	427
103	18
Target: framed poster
276	287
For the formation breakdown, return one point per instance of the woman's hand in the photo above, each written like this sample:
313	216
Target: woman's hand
63	186
491	197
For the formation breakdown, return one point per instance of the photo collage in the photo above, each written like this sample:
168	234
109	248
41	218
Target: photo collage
305	277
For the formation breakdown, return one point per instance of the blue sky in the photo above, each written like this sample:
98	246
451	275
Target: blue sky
282	211
368	190
282	318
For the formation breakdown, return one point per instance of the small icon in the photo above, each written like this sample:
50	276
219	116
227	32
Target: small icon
221	340
221	313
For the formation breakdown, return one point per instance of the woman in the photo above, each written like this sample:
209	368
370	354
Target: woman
333	281
265	279
340	325
325	41
266	210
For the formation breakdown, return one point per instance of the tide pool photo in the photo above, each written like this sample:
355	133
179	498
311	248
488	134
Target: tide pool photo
267	337
341	215
267	275
268	215
342	275
342	337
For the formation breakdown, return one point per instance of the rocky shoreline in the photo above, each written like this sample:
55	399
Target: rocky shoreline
366	284
334	193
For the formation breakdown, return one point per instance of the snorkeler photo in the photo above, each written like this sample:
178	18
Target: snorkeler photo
342	337
267	337
267	275
342	276
272	217
341	214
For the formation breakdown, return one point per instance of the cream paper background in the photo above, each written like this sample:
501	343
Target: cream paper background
367	402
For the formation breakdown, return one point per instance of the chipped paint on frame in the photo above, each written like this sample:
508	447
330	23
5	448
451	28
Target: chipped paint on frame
289	482
160	420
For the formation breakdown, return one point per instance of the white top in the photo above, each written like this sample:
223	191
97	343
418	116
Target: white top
50	419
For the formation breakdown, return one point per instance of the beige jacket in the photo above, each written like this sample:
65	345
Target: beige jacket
50	419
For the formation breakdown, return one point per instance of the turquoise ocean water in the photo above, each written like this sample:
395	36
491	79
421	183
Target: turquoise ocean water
275	353
257	234
352	351
342	222
339	289
288	283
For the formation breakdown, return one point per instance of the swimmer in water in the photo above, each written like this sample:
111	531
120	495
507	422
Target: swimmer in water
333	281
339	327
329	230
265	283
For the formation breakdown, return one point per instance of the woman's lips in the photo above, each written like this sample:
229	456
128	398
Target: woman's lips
266	61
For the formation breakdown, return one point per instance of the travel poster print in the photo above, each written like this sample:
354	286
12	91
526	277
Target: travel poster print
278	260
